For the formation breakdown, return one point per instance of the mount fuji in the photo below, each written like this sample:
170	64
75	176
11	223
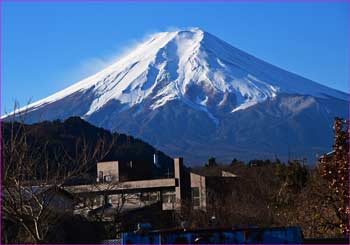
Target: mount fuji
191	94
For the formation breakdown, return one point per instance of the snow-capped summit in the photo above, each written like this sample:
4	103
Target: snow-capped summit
190	65
188	73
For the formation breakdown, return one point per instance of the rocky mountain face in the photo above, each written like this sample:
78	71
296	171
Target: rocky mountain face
191	94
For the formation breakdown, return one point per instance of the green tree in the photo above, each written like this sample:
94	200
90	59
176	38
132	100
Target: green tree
212	162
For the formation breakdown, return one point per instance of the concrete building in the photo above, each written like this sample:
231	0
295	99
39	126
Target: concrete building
111	193
207	189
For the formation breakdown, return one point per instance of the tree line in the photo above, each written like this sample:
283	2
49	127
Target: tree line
273	193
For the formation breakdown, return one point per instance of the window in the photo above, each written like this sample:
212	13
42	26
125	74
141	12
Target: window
149	197
107	199
108	178
91	201
144	197
99	200
195	191
100	176
153	197
195	196
172	198
169	197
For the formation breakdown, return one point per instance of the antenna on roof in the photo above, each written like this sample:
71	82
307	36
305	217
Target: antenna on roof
156	160
168	173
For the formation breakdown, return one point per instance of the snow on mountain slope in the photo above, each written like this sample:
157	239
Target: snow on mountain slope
191	94
194	67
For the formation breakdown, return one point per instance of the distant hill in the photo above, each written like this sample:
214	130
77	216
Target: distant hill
54	138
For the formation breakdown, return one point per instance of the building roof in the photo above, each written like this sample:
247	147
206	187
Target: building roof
29	191
214	172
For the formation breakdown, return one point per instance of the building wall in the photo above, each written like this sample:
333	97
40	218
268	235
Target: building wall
108	171
228	174
198	182
178	164
183	187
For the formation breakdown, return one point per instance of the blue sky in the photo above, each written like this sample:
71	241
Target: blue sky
48	46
